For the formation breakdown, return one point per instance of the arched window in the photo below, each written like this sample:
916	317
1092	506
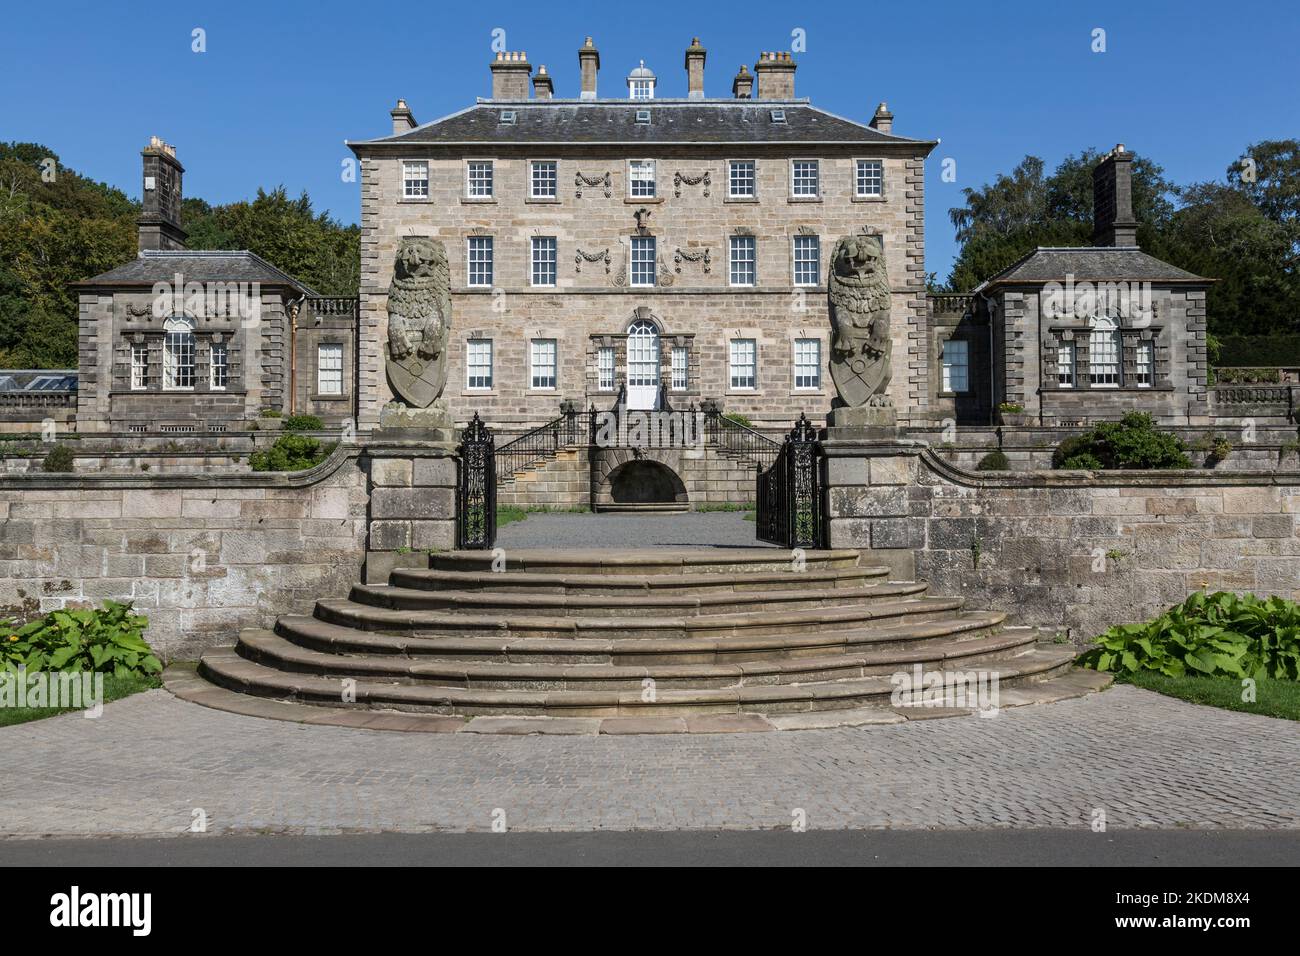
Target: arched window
642	364
178	353
1103	353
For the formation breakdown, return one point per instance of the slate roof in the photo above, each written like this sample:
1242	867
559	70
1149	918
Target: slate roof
1090	263
196	266
614	122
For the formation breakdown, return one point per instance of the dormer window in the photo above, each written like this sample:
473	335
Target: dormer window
643	117
778	116
507	117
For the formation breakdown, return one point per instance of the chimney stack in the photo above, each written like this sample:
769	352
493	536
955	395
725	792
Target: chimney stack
403	118
543	88
883	121
695	70
160	215
742	87
1112	200
775	76
589	66
510	72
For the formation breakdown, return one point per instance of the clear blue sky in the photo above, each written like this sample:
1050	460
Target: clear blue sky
283	84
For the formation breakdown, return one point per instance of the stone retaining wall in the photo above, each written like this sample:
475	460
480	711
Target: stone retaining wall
1078	551
201	555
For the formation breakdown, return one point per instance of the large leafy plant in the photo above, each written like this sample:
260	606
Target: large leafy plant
292	452
109	640
1131	442
1212	635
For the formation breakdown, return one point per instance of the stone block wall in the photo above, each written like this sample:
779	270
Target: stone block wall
1077	551
202	556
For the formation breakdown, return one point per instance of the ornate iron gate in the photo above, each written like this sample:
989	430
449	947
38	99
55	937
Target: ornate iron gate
476	488
790	509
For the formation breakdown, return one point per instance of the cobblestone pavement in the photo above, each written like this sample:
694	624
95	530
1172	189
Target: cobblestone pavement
695	529
151	761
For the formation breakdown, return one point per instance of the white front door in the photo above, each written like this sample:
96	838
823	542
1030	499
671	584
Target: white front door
642	365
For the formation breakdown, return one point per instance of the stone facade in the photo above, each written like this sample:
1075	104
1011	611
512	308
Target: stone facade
1076	551
594	218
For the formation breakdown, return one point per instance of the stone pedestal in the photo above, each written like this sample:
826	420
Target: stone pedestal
402	423
412	491
868	478
874	422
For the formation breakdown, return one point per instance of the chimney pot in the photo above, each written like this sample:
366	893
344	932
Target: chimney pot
403	118
742	87
159	225
510	72
883	121
543	88
775	73
695	55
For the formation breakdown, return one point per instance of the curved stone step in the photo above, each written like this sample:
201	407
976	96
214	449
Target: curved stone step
586	605
631	583
228	669
886	635
272	650
446	623
644	561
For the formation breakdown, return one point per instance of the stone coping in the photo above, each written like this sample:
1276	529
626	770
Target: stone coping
217	481
183	682
841	446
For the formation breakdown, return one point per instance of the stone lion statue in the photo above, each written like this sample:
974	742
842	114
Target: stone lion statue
859	307
419	320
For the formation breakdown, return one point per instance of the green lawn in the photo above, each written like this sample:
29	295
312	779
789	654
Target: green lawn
507	514
1274	698
114	689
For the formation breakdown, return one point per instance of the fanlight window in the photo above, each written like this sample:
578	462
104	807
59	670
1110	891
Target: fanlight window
178	353
642	354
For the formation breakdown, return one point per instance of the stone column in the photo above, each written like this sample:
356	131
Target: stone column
412	504
868	482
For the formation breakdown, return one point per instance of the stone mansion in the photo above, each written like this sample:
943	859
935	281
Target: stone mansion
644	250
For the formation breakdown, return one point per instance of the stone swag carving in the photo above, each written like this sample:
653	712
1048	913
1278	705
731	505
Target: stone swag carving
680	177
600	256
419	321
600	179
859	310
682	255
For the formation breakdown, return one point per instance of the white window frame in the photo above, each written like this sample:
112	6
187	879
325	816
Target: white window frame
1066	365
475	350
606	373
1144	364
470	182
807	364
485	263
414	187
816	261
739	370
1104	338
536	166
539	361
795	179
635	178
735	244
859	179
954	374
679	364
218	362
641	89
637	266
537	257
329	368
178	354
139	367
753	178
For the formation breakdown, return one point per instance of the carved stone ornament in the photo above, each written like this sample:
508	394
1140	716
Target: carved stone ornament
681	255
419	321
601	256
859	308
600	179
642	217
680	177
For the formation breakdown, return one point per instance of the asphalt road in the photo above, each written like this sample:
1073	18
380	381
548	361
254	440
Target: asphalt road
1001	847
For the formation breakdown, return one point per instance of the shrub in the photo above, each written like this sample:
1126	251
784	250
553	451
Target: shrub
269	413
994	461
1131	442
109	640
1214	635
738	419
1011	408
1258	351
291	453
59	459
1216	447
303	423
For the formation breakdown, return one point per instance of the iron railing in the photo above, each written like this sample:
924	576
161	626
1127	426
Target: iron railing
539	444
790	510
737	439
476	488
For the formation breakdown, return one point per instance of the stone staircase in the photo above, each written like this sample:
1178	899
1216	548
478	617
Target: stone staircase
608	634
